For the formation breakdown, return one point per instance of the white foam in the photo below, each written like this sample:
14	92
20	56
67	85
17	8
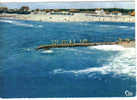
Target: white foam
21	23
6	21
123	64
47	51
77	50
132	28
40	26
108	47
123	26
16	23
105	25
115	26
28	49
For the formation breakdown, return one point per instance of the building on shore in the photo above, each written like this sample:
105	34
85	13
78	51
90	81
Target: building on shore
116	13
100	12
61	13
91	13
74	10
132	13
3	9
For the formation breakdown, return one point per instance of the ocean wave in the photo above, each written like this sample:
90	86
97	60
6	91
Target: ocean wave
21	23
123	26
6	21
108	47
40	26
47	51
76	50
132	28
28	49
123	64
85	24
105	26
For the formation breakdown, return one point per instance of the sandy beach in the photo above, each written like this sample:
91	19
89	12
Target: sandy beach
79	17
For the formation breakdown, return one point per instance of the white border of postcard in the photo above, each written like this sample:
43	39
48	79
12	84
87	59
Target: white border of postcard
89	98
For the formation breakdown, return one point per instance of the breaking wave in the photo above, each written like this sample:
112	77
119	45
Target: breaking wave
108	47
123	26
21	24
105	26
132	28
76	50
47	51
124	63
6	21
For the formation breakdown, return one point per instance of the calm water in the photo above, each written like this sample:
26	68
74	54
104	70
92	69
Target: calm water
98	71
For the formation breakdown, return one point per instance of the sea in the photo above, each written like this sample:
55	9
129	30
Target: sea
94	71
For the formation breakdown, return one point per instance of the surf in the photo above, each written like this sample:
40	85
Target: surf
18	23
47	51
123	63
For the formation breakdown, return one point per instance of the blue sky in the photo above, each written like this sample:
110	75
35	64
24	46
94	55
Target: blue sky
67	5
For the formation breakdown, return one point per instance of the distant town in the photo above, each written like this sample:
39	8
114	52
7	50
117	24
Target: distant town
97	11
69	15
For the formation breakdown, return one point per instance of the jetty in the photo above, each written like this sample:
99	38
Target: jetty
85	43
70	43
46	47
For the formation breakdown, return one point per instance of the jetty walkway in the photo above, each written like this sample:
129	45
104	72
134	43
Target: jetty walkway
74	45
84	43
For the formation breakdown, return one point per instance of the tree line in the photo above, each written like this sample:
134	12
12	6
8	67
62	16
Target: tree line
26	10
22	10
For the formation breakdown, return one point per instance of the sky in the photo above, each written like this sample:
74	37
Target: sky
126	4
56	0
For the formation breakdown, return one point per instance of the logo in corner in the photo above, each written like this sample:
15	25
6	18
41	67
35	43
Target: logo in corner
128	93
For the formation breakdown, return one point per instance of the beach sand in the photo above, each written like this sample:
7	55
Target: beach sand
80	17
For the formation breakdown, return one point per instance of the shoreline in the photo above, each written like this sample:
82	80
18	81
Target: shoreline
69	18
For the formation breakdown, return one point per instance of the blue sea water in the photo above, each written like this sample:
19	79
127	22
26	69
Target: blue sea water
97	71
